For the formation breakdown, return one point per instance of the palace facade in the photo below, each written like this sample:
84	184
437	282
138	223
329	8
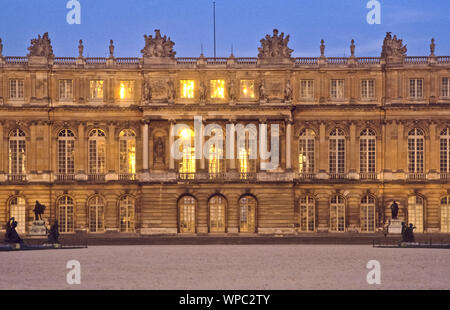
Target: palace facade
90	138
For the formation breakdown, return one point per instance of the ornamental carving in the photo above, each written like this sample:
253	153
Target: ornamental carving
393	47
275	46
41	46
158	46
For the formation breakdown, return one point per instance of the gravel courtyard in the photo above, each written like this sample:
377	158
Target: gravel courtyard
192	267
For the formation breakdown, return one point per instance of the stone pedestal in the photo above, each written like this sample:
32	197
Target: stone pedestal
38	229
395	227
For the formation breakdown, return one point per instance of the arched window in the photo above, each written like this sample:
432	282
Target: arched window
445	150
17	210
307	213
97	152
217	211
66	154
65	211
17	152
127	214
187	163
367	152
306	147
337	153
186	207
367	214
96	207
416	145
247	223
415	212
127	153
247	148
445	214
337	213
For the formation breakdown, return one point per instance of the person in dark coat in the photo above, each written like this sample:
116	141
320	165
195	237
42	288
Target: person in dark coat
53	236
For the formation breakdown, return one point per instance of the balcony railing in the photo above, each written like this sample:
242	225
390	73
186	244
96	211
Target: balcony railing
17	177
337	176
187	60
368	175
443	59
416	176
65	61
127	177
128	61
96	177
337	60
445	176
96	61
416	60
16	60
217	176
305	175
216	61
63	177
246	60
247	175
186	175
368	60
306	61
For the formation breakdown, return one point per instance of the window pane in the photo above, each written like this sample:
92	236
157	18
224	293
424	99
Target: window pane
217	89
187	88
126	90
96	89
247	89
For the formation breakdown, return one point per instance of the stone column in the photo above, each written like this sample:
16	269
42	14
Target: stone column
80	159
145	145
323	151
288	145
3	148
353	159
111	157
171	141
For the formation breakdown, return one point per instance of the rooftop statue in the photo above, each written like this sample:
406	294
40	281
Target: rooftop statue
158	46
275	46
41	46
393	47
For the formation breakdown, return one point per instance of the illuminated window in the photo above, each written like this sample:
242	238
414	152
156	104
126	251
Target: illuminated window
415	212
16	89
187	89
307	89
307	213
217	89
367	142
65	89
247	206
96	89
368	89
17	152
127	151
367	214
126	90
445	214
247	89
96	207
217	208
187	214
306	151
337	152
66	154
97	152
416	146
247	154
445	87
17	210
337	214
65	212
187	166
416	88
337	89
445	150
126	209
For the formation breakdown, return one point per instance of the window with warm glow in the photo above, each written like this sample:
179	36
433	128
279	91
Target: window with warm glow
187	162
126	90
127	150
217	89
187	89
96	89
247	89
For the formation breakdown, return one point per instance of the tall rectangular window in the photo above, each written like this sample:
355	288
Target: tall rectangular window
16	89
415	88
96	89
337	89
445	87
247	89
65	89
368	89
307	89
187	89
217	89
126	90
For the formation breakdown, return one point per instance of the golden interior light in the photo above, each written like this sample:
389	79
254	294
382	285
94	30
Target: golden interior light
247	89
217	89
122	90
187	88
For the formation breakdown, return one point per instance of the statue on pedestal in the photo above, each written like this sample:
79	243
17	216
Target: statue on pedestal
432	48
394	210
1	48
322	48
11	235
80	49
38	211
262	91
111	48
352	48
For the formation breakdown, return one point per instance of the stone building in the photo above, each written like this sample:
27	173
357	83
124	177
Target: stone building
90	138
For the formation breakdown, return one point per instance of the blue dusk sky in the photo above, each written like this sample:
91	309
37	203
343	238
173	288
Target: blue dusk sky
241	23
